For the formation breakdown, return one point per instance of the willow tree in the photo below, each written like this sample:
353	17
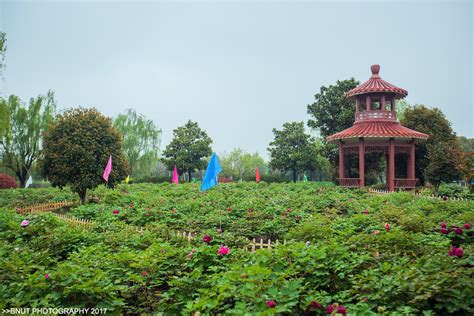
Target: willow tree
141	141
77	147
21	130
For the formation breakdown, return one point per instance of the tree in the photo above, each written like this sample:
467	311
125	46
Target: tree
77	147
434	123
141	141
332	112
444	163
240	165
21	132
467	144
190	144
293	149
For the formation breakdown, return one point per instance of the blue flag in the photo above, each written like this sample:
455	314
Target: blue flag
210	177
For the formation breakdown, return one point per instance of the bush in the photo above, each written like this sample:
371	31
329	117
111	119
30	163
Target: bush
151	179
7	182
454	190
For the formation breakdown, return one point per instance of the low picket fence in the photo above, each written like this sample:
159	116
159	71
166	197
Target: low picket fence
433	196
44	207
75	221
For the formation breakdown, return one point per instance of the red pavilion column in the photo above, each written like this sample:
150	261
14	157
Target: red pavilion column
411	161
341	160
391	165
361	162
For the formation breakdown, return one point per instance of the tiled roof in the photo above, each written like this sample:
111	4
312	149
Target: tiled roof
377	129
377	84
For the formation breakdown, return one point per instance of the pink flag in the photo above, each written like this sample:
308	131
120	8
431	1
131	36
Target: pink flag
107	170
175	176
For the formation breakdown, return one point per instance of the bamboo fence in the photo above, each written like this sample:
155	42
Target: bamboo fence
433	196
44	207
74	221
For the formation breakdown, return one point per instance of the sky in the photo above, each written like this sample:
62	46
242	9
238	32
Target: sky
238	68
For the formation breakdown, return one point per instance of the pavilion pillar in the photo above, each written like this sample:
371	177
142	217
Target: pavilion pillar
361	162
357	104
341	160
383	102
411	160
391	165
387	159
367	103
392	107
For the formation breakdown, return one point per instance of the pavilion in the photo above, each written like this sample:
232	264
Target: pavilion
376	129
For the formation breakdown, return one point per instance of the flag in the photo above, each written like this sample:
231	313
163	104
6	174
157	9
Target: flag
29	182
210	177
127	179
175	178
107	169
257	175
305	178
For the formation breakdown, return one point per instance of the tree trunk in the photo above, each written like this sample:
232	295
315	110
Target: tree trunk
294	175
82	196
189	175
22	177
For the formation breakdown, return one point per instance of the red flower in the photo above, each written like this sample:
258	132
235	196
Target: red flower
467	226
229	209
341	310
115	212
458	230
132	205
456	252
46	276
366	211
315	304
223	250
376	232
443	225
207	238
329	309
387	226
298	218
444	231
145	273
271	304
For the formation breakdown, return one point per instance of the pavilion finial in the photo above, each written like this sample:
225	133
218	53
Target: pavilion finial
375	71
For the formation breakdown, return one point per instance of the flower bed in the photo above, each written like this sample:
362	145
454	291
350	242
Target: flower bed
347	252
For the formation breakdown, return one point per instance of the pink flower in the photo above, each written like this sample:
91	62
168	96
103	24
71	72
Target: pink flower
443	225
271	304
458	230
219	231
444	231
223	250
207	239
25	223
387	226
308	243
46	276
315	304
329	309
145	273
190	255
341	310
456	252
467	226
298	218
115	212
376	232
366	211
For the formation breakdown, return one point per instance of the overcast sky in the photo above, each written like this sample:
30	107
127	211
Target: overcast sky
237	68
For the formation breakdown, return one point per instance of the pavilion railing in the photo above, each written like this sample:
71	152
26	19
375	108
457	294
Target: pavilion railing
405	183
378	115
349	182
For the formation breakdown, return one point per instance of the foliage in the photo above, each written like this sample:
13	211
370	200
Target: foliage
454	190
7	182
188	148
440	156
21	132
76	150
293	149
240	165
467	144
141	141
332	112
332	255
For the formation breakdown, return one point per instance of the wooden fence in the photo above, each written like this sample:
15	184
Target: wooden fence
433	196
44	207
74	221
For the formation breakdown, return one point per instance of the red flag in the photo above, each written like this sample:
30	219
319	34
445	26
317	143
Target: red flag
257	175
